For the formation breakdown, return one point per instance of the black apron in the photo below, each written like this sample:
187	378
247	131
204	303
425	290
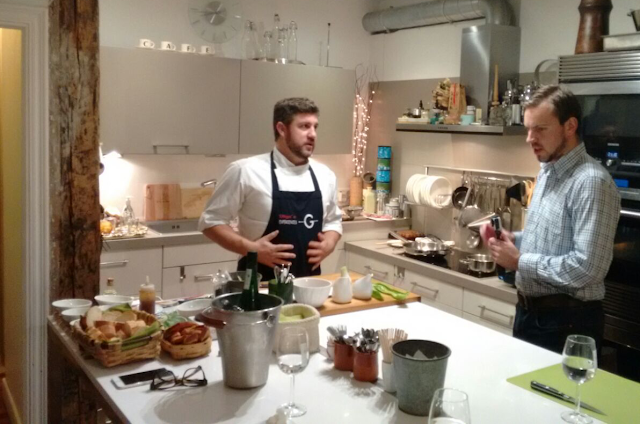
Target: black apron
298	217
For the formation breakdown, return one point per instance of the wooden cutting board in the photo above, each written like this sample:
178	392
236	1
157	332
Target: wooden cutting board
194	201
162	202
331	308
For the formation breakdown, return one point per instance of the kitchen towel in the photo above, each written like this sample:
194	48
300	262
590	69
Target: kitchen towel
615	396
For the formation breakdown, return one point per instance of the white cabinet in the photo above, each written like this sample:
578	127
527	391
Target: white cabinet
488	311
195	254
438	294
129	269
381	271
264	83
168	103
192	280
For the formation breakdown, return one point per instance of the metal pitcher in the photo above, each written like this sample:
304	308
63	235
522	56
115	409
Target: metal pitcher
245	338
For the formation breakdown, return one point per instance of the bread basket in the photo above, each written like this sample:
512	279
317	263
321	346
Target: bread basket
110	354
188	351
310	322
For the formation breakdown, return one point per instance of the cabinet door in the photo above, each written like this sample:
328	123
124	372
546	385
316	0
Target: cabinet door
194	280
363	265
168	103
264	83
433	292
489	311
129	269
195	254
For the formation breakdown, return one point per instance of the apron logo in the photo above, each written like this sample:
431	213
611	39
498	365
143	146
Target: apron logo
308	221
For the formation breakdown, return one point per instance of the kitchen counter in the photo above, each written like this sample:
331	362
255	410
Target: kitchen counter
480	363
490	286
155	239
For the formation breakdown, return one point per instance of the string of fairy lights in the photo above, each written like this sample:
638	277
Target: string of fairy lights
362	116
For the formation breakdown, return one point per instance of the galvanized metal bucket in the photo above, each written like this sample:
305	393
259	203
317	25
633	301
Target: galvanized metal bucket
245	339
420	367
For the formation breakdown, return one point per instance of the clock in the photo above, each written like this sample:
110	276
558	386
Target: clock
216	21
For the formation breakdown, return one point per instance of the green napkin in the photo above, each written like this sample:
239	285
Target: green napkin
617	397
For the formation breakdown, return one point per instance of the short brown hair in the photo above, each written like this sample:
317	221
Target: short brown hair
286	109
564	103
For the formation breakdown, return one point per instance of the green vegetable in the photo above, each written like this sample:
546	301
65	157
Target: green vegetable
170	319
393	292
122	308
376	295
289	318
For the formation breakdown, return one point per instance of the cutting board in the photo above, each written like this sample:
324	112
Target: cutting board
615	396
162	202
331	308
194	201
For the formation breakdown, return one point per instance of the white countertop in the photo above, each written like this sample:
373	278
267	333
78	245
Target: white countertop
491	286
480	363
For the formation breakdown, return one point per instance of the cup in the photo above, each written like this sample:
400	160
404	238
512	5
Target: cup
167	45
388	378
146	43
467	119
420	367
206	50
343	357
187	48
365	366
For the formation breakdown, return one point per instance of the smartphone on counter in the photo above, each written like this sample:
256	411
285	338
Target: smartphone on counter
127	381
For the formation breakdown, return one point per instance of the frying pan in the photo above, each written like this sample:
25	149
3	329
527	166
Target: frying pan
458	196
422	246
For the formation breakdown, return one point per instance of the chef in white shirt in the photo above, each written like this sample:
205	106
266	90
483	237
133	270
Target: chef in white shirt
286	203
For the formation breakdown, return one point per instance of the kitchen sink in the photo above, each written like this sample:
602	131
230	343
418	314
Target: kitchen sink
174	226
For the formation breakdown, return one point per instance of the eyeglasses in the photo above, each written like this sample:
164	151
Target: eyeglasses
193	377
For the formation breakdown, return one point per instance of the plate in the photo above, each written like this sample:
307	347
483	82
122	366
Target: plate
417	187
439	186
409	187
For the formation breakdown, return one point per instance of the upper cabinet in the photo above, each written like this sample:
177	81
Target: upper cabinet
264	83
168	102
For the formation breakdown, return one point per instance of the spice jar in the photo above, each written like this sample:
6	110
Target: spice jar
343	357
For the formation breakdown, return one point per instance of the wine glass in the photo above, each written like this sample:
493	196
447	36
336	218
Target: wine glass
449	406
579	363
293	358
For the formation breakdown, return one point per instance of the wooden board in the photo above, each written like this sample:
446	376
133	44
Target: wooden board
331	308
162	202
194	201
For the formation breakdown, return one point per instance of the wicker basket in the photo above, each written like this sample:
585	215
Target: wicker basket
188	351
310	322
111	354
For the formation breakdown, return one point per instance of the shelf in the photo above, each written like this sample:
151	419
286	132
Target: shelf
461	129
477	171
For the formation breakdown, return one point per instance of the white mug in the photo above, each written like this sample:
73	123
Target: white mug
167	45
146	43
187	48
206	50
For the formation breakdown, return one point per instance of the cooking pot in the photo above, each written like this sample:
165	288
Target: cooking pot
480	263
422	246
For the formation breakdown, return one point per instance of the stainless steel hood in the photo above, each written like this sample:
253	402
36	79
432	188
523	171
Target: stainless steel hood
496	12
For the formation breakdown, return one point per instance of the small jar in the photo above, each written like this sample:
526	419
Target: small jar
365	366
343	357
148	298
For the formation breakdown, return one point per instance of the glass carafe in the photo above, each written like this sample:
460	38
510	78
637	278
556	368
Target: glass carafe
292	45
268	45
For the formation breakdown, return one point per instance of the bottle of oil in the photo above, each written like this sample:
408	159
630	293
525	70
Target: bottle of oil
148	297
110	288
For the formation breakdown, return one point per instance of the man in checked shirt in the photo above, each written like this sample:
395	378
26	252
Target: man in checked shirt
566	248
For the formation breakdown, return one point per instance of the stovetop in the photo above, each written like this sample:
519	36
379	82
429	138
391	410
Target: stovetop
451	261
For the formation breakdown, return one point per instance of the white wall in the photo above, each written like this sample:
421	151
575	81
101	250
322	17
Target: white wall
124	22
549	29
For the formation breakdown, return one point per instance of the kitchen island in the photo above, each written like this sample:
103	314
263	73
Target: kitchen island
480	363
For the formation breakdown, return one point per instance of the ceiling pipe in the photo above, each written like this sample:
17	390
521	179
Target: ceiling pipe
437	12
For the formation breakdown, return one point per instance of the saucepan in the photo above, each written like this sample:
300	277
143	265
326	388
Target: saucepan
480	263
422	246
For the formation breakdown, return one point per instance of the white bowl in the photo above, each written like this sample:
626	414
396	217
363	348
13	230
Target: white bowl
74	313
311	291
113	299
64	304
193	307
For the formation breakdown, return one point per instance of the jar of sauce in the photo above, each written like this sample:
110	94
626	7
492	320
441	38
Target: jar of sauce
148	298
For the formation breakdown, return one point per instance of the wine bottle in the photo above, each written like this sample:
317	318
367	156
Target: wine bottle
249	296
505	275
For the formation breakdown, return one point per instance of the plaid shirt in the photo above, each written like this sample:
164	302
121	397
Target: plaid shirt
567	243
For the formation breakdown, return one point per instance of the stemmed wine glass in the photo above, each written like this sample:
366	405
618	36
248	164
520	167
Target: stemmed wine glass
449	406
293	358
579	363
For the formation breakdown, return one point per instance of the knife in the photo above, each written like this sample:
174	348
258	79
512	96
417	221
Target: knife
559	395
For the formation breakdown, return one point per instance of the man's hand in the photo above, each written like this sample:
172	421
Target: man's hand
318	250
270	254
504	252
487	233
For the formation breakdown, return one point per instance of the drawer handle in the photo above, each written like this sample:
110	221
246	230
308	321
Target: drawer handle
208	277
484	308
115	263
374	271
434	291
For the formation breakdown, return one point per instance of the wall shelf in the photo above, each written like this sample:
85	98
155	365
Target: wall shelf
461	129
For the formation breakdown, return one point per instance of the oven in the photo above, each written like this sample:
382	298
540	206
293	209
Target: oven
608	88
